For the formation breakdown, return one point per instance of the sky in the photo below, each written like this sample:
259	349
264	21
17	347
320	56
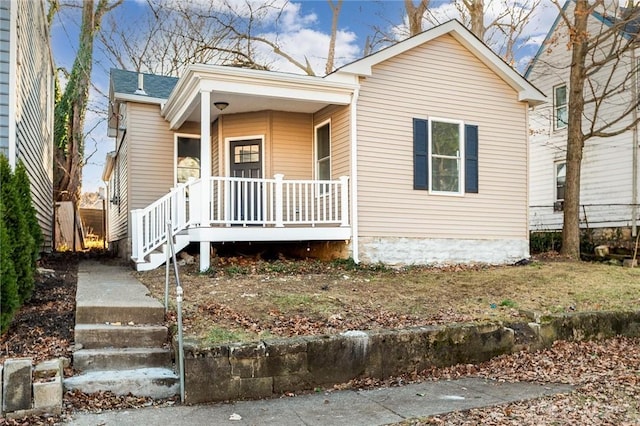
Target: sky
303	27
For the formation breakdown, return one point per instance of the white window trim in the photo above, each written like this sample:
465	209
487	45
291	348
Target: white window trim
461	158
555	106
227	153
316	169
175	152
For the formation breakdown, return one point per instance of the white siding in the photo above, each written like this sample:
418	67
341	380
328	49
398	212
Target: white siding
5	24
33	105
606	179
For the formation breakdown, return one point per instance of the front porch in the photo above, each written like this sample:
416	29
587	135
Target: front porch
233	209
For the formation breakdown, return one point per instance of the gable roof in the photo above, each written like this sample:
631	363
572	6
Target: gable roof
124	85
526	91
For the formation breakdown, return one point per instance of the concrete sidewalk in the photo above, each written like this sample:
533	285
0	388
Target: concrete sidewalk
371	407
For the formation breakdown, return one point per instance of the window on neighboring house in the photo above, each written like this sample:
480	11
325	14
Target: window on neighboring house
445	156
323	153
187	158
561	111
560	178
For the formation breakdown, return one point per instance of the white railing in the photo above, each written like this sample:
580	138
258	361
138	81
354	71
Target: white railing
240	201
278	202
148	225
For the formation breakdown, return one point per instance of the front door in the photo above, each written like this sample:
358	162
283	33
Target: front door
246	200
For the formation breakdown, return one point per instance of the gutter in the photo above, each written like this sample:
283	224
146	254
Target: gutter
354	176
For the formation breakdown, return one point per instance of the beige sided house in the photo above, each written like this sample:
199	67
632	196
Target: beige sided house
416	154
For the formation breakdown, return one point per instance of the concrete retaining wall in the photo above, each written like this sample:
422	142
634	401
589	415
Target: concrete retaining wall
272	367
28	391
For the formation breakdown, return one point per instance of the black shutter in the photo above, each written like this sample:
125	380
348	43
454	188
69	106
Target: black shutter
471	158
420	154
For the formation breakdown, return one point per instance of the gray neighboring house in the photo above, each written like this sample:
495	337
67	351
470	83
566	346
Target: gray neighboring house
27	100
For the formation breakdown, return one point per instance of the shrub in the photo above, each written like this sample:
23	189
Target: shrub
20	243
9	300
24	195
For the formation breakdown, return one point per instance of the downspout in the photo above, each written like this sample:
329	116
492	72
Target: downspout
354	175
205	174
634	153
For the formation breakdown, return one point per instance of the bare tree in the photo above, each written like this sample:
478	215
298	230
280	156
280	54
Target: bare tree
71	106
601	76
499	23
175	34
415	15
335	13
475	9
164	41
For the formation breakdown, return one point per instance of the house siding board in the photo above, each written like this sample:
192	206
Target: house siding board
34	108
5	11
410	86
250	124
118	211
215	146
606	171
291	145
151	161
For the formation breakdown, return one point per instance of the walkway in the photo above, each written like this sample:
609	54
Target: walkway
370	407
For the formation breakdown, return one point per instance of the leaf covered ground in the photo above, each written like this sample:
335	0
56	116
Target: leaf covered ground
247	299
606	373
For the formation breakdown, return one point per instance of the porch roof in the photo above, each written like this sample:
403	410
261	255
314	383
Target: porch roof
247	90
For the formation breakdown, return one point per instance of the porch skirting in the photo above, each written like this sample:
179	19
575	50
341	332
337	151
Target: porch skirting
440	251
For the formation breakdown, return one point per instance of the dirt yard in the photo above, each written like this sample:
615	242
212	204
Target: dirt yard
244	299
608	391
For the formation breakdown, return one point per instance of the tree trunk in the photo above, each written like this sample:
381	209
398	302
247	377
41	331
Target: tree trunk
415	15
71	109
476	13
335	13
575	135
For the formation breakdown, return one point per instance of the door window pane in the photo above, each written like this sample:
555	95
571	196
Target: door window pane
246	154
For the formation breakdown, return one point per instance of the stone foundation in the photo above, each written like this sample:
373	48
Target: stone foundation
273	367
441	251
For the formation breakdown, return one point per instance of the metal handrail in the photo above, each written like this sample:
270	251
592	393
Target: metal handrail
171	256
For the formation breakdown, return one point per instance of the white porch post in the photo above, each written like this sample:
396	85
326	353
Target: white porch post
205	174
136	233
344	201
279	200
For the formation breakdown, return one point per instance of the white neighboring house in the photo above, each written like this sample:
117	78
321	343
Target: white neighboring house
27	101
609	194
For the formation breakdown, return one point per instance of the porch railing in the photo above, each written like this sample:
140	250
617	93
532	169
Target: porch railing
278	202
240	201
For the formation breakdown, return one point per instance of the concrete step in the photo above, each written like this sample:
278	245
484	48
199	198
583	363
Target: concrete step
121	359
112	294
95	336
100	314
151	382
